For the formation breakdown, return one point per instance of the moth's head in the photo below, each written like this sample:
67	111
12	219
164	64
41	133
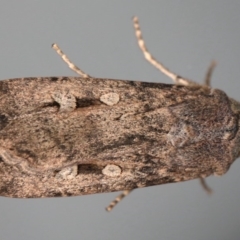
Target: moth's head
235	106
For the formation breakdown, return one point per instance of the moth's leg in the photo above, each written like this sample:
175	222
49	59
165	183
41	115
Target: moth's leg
207	81
12	160
176	79
205	186
117	200
69	63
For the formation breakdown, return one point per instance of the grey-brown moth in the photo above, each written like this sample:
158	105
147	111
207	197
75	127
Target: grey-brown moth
70	136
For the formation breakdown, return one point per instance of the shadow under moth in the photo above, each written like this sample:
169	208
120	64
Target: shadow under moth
70	136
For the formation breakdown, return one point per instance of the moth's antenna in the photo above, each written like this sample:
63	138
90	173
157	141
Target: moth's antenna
177	79
69	63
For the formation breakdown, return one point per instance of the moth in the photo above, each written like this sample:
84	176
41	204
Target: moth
70	136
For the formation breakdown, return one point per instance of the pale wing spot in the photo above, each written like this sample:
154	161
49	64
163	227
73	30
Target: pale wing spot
66	100
68	172
110	99
112	170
